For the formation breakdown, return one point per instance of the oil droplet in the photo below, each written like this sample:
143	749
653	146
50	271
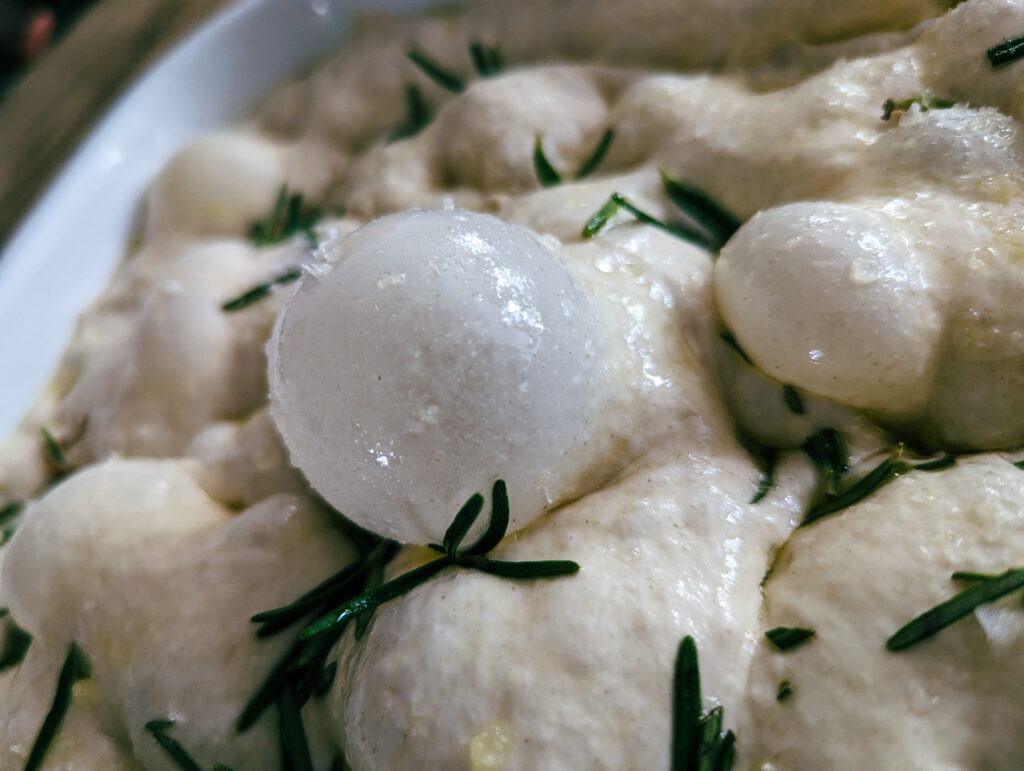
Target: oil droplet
491	748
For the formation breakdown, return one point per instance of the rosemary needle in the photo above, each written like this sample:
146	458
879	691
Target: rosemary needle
75	668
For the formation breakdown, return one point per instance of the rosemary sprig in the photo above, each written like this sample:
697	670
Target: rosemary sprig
955	608
444	78
786	689
879	476
546	174
792	399
170	745
257	293
473	558
597	156
417	115
16	644
617	201
289	217
715	219
927	102
698	743
487	60
786	638
1006	52
75	668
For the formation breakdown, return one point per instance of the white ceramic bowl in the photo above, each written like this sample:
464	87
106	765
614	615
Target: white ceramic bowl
65	251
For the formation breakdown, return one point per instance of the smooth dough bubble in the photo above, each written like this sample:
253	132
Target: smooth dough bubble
830	297
429	354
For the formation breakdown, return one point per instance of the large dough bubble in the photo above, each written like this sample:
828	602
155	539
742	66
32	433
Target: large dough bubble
429	354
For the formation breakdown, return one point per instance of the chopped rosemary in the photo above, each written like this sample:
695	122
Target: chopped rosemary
417	114
472	558
792	399
730	340
786	689
288	218
487	60
618	201
257	293
716	220
955	608
1019	464
444	78
890	106
546	174
1006	52
768	457
698	743
170	745
879	476
828	453
16	643
10	510
597	156
786	638
967	575
52	450
75	668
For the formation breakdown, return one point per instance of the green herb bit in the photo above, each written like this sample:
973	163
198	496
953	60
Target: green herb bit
786	689
546	174
1006	52
171	746
1019	464
596	223
417	114
453	556
288	218
934	465
786	638
698	743
75	668
890	106
16	644
487	60
294	745
374	579
597	156
767	475
221	767
714	218
955	608
792	399
6	534
966	575
257	293
878	477
618	201
444	78
730	340
10	511
326	680
52	450
828	453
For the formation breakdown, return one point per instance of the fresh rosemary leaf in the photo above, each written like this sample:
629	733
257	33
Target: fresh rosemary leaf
935	465
679	231
786	638
889	106
288	218
786	690
730	340
445	79
171	746
1006	52
767	476
719	223
280	618
10	510
828	453
1019	464
597	156
293	735
16	644
600	219
966	575
259	292
497	525
52	450
462	523
6	534
417	115
269	689
487	60
686	708
75	668
374	579
371	599
526	569
879	476
326	680
955	608
792	399
546	174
